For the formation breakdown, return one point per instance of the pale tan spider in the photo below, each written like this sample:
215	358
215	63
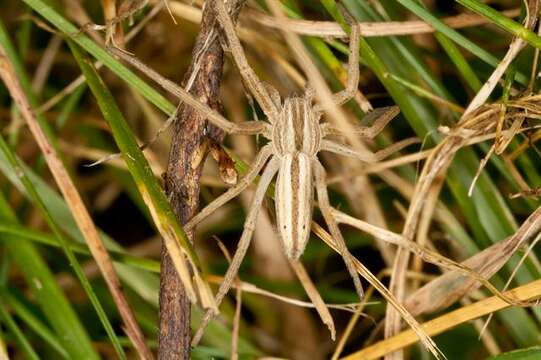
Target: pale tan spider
296	135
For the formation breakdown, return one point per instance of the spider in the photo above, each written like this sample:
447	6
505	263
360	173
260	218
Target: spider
295	136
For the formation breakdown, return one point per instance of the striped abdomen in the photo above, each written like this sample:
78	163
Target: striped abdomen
294	199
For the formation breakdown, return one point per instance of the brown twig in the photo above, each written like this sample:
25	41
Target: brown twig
182	182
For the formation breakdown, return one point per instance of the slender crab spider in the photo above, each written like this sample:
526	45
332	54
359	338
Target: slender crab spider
296	135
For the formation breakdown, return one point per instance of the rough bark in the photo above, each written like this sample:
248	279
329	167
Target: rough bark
182	181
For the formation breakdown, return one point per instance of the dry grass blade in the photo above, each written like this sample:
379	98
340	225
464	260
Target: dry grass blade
236	325
351	323
332	29
372	29
238	307
513	274
430	298
253	289
314	296
3	351
436	326
46	63
479	122
516	46
75	203
427	254
374	281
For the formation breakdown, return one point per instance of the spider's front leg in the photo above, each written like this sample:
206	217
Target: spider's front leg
233	191
257	87
382	117
352	85
366	156
247	127
244	242
379	118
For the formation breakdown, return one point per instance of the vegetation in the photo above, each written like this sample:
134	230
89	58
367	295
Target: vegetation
93	180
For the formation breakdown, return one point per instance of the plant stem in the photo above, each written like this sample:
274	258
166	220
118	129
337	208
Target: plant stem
182	181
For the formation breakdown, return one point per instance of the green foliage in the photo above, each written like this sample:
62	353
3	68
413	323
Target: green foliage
40	240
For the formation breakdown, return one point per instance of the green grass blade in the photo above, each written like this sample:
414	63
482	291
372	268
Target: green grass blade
460	62
99	53
79	248
144	284
18	334
33	322
162	213
454	35
486	212
47	293
532	353
64	244
503	21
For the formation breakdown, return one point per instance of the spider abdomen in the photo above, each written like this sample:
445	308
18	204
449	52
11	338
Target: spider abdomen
294	200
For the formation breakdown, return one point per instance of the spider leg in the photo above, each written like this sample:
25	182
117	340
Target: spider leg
233	191
247	127
256	86
349	92
379	118
326	210
345	150
244	242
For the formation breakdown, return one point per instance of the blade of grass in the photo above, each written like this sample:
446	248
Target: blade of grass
22	342
502	21
460	62
532	353
455	36
99	53
447	321
50	240
73	198
3	349
144	284
173	235
47	293
33	322
11	53
487	212
64	244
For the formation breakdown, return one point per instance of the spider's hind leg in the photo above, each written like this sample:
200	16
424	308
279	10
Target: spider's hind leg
326	210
